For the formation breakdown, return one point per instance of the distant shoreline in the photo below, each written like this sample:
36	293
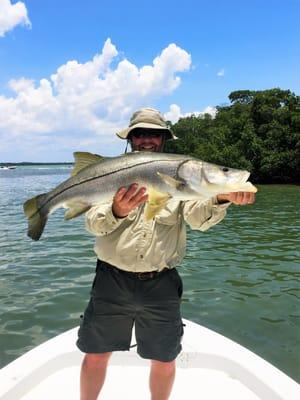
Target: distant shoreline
26	163
9	164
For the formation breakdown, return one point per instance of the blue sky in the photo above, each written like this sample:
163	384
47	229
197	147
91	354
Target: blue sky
71	73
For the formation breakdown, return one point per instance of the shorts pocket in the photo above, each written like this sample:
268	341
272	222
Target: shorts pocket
178	281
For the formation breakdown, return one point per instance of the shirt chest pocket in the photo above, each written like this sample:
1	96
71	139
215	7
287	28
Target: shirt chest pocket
169	215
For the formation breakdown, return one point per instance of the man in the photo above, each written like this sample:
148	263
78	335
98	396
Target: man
136	280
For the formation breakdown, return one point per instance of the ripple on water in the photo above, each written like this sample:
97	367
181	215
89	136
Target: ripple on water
241	277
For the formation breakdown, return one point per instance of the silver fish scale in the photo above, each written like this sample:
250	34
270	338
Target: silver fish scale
127	161
100	181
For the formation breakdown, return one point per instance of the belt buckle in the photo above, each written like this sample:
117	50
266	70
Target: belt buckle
144	276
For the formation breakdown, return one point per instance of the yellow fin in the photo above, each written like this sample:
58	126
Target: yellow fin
170	181
76	209
84	159
157	201
30	207
36	219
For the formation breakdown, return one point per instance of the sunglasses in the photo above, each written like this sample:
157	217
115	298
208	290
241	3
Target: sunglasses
143	134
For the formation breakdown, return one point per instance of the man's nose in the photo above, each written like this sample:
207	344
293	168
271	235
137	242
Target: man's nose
147	139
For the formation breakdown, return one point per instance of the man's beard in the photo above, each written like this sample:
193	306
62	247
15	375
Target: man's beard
149	147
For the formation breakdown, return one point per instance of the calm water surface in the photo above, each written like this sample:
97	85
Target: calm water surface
241	278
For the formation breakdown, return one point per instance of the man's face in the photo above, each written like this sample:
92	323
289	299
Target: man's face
147	140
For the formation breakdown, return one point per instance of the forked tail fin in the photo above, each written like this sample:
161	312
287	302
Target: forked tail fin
36	219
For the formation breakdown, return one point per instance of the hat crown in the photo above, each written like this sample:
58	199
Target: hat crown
147	115
147	118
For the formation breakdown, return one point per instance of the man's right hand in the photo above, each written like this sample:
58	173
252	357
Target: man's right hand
125	200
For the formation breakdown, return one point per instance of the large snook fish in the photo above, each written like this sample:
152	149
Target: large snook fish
96	179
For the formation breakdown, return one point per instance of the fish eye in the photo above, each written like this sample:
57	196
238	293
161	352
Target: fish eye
224	169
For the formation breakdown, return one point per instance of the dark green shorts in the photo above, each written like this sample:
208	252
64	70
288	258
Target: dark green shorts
119	300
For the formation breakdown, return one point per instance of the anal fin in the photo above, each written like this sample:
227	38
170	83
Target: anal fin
76	209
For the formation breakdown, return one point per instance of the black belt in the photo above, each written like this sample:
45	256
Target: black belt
143	276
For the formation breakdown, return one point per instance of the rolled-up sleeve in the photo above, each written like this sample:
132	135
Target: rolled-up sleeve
101	221
202	215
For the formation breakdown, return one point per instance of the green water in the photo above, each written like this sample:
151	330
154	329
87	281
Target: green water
241	278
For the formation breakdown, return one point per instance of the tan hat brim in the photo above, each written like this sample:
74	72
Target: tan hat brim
125	132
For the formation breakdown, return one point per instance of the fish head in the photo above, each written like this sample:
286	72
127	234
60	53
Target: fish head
208	179
220	175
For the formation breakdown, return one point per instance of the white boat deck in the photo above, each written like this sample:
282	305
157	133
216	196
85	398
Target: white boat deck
132	383
210	367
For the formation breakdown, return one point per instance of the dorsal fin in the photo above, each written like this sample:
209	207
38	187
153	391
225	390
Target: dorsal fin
84	159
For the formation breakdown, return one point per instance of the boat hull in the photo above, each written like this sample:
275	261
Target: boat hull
210	366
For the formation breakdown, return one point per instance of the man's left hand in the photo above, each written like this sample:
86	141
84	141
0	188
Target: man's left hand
238	198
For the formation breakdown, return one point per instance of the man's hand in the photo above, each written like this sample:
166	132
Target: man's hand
126	200
238	198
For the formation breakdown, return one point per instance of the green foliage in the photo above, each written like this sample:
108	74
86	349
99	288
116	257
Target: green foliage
259	131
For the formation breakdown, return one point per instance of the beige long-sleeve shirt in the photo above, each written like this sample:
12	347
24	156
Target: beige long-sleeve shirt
136	245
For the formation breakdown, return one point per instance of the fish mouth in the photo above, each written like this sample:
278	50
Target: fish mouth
238	182
246	185
246	177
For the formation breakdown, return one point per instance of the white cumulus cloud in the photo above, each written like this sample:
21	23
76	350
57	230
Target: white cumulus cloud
221	73
174	113
12	15
82	101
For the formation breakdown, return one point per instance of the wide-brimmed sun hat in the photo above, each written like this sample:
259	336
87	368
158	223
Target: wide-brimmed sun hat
147	118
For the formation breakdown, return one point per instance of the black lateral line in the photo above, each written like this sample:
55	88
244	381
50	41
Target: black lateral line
97	177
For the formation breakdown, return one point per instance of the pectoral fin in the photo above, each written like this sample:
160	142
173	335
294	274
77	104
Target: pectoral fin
157	201
76	209
171	181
